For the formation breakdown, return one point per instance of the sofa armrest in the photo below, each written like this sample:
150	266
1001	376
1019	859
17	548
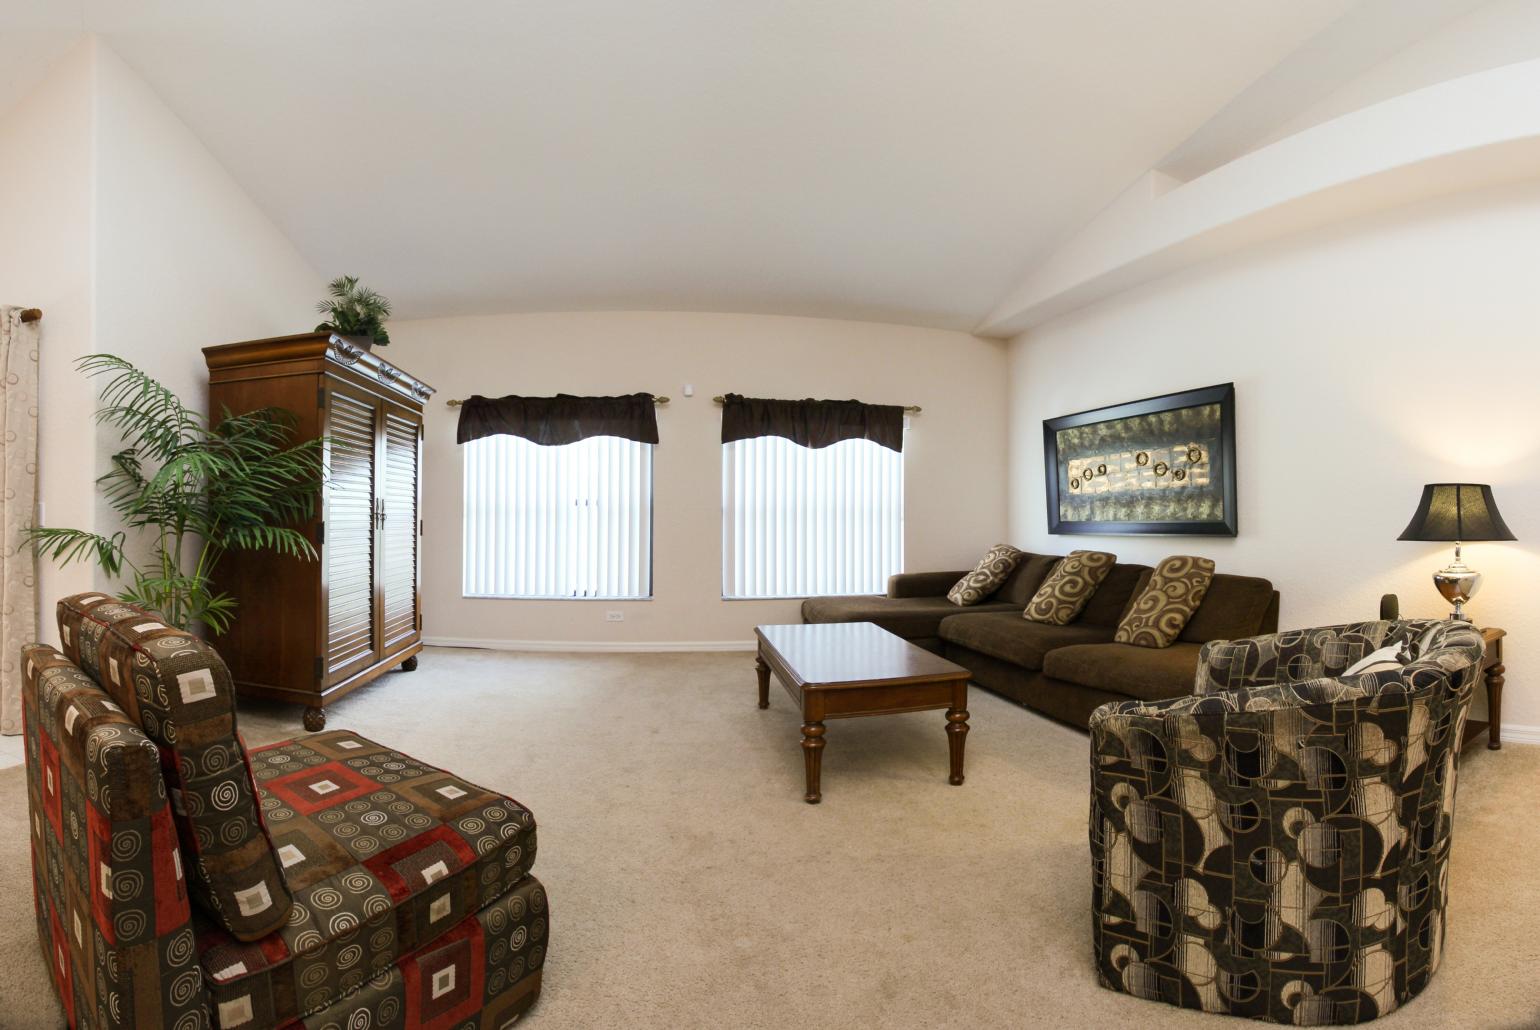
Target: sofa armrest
113	913
923	584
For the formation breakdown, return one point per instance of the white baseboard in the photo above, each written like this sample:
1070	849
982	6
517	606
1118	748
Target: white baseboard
594	646
1520	734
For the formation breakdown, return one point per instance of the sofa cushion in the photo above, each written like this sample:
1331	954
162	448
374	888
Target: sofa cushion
1150	674
1029	575
485	972
1068	588
1233	608
1009	637
1116	593
985	578
908	617
179	692
384	854
1161	610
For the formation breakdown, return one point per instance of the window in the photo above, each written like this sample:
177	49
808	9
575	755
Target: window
798	521
568	521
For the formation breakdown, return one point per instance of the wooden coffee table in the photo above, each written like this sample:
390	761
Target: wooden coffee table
840	670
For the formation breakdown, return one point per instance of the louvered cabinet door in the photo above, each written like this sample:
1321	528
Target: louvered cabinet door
400	448
351	638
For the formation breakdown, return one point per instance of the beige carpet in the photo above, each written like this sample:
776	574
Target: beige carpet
691	887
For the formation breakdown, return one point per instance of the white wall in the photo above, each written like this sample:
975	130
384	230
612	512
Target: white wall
954	456
45	221
184	257
1368	359
139	244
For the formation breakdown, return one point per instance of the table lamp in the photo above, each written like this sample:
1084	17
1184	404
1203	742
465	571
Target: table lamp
1460	512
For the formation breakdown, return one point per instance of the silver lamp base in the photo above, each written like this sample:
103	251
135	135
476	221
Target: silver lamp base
1458	583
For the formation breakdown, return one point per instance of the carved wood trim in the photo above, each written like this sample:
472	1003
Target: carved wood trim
322	348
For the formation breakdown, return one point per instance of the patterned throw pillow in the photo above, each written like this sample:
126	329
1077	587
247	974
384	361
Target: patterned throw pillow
1064	594
1175	590
179	692
992	570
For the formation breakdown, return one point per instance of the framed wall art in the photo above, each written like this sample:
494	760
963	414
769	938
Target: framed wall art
1161	465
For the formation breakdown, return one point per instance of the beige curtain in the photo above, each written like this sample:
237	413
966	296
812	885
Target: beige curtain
18	503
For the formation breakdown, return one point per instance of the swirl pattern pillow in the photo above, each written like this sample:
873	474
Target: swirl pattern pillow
179	692
992	570
1159	614
1063	595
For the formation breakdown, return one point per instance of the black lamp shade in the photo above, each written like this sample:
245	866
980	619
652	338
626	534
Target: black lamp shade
1457	511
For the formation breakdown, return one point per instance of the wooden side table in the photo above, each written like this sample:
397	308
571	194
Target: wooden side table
1492	670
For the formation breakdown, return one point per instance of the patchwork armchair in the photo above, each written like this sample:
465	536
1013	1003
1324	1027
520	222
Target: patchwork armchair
182	881
1277	845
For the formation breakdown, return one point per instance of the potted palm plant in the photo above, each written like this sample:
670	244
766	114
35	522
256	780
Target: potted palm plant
356	312
186	492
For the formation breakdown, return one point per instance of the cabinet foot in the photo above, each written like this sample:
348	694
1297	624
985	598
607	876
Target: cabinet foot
315	719
410	665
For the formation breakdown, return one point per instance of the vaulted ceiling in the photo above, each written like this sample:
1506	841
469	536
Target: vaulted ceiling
893	160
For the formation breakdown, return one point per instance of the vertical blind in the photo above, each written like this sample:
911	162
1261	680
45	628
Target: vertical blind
573	520
798	521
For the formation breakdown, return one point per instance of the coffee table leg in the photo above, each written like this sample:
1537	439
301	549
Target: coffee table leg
812	757
764	680
956	737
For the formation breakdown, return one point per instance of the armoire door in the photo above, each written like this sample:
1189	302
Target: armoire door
400	466
351	639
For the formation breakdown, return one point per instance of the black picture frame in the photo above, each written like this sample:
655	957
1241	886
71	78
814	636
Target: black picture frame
1222	465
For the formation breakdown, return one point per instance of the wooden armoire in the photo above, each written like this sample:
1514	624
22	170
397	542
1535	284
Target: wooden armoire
310	632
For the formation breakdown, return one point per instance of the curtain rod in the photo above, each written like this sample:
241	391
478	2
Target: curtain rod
31	314
655	399
913	409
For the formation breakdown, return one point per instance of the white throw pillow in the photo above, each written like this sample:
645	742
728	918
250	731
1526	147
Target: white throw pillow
1386	659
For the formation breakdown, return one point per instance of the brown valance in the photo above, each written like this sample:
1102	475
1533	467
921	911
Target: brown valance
812	423
561	419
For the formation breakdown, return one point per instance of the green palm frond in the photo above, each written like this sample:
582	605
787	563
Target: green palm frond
151	419
66	546
243	483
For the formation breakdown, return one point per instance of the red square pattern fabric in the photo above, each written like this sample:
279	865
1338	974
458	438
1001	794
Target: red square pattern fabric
385	857
113	913
310	789
179	692
484	972
415	907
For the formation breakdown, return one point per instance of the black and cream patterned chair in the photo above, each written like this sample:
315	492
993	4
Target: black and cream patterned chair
1277	845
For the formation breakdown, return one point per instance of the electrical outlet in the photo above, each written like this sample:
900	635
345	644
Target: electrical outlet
614	616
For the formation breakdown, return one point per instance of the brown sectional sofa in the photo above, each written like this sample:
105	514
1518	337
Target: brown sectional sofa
916	603
1065	672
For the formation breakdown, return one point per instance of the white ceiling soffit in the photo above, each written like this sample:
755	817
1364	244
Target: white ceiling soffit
890	160
1366	35
1470	132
